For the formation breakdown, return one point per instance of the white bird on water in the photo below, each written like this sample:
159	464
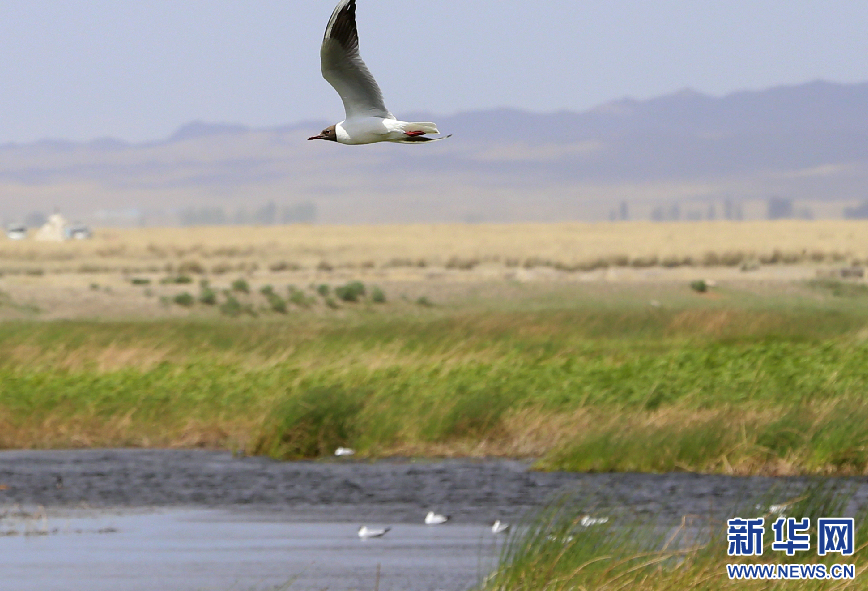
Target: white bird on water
775	509
435	518
366	532
499	527
368	120
588	521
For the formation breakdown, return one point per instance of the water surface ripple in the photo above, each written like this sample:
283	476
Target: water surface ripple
188	519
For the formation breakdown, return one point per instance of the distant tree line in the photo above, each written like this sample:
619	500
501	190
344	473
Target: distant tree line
777	208
268	214
731	210
782	208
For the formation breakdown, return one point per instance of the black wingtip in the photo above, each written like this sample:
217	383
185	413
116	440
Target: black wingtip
342	26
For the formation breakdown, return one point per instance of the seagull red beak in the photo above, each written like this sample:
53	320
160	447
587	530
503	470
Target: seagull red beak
317	137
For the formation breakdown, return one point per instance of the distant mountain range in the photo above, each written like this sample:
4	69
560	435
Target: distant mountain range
685	155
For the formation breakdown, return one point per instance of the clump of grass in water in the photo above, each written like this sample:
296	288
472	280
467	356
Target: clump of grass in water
312	424
552	551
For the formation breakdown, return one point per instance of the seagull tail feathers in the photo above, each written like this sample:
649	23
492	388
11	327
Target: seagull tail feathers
423	126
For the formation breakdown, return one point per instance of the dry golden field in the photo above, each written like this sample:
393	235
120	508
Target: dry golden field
567	247
97	277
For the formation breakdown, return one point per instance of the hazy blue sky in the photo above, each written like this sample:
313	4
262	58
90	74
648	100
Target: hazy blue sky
136	70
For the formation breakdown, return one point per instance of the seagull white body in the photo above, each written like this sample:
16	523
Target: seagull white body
775	509
435	518
344	451
366	532
369	130
499	527
587	520
367	119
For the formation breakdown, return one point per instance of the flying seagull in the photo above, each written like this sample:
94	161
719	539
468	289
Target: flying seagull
368	120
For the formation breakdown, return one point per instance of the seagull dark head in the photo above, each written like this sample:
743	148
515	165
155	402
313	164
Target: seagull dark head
328	133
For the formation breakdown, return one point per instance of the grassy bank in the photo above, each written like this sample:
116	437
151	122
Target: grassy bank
583	381
553	550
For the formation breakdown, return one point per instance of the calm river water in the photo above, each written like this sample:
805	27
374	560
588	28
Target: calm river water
125	520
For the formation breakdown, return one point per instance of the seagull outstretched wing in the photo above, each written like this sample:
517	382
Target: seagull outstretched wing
343	68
